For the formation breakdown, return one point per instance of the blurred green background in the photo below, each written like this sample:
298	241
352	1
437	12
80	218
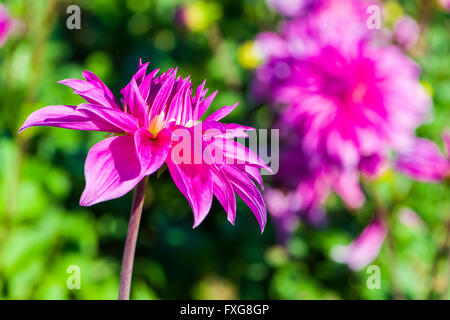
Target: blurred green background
43	230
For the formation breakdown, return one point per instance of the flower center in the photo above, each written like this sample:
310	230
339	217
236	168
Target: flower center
157	124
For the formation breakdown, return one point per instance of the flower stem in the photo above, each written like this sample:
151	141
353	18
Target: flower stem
130	242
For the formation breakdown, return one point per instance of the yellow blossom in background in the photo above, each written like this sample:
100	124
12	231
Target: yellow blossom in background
248	55
392	12
200	15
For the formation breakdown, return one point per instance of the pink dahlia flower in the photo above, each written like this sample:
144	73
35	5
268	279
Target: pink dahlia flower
424	162
346	108
6	24
344	101
154	124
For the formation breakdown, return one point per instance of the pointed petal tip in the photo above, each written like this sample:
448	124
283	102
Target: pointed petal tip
196	224
231	220
262	226
86	201
198	221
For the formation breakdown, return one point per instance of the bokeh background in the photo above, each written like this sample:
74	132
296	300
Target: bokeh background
43	230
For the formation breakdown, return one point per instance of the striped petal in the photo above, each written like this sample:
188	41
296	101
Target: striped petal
69	117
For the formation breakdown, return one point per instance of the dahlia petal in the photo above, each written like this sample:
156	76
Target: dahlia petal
94	79
180	108
163	94
195	183
145	86
93	90
187	103
140	73
135	102
423	162
371	165
69	117
77	84
223	130
236	153
211	128
223	190
204	105
152	153
364	249
248	192
117	118
199	95
112	169
252	172
221	113
347	186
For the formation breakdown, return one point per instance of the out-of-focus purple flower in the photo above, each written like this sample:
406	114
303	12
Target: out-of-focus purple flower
283	208
293	8
6	24
445	4
364	249
407	32
344	101
156	117
424	162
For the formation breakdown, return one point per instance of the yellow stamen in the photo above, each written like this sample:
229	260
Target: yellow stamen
156	124
189	124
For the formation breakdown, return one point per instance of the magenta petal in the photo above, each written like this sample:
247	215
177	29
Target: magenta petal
424	162
252	172
204	105
112	169
200	93
223	190
161	97
92	78
180	108
152	152
348	188
221	113
93	90
117	118
248	192
195	183
364	249
135	102
77	84
140	73
68	117
236	153
371	165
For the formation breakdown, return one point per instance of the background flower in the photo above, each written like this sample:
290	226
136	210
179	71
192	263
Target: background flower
344	102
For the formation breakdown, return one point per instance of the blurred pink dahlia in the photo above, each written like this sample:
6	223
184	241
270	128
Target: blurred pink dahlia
345	100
